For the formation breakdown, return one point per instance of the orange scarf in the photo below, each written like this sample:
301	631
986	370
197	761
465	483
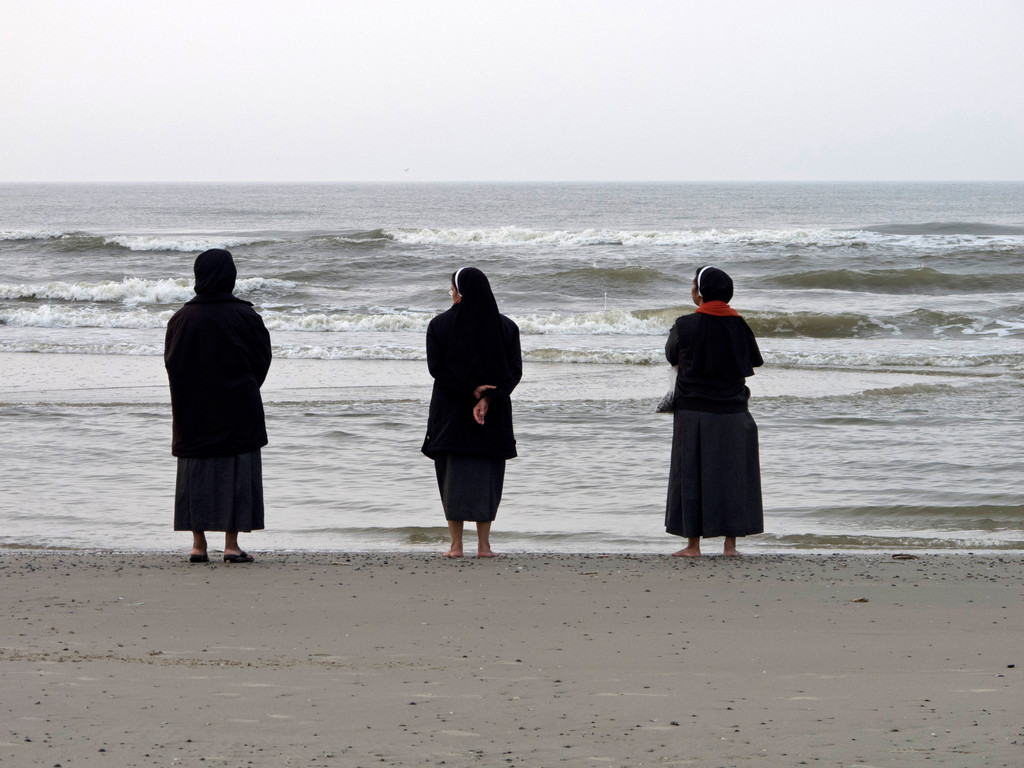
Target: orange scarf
717	309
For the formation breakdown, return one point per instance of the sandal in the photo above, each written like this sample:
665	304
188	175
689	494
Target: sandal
244	557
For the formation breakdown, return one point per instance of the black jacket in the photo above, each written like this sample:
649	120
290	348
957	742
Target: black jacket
217	353
450	424
714	355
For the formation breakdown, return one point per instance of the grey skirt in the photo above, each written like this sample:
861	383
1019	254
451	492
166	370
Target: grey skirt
220	493
470	486
714	485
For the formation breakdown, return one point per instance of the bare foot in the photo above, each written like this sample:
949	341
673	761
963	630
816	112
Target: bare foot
453	553
731	553
687	552
487	553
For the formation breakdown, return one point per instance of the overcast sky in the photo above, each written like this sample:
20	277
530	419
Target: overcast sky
441	90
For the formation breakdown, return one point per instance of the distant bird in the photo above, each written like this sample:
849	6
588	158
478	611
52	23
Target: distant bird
406	170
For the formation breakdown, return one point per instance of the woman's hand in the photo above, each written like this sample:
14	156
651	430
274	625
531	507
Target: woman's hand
480	409
483	403
479	391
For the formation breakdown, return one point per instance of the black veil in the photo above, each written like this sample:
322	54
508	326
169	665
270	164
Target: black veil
476	353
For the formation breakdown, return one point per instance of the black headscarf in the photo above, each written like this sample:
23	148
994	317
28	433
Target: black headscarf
713	284
476	354
215	272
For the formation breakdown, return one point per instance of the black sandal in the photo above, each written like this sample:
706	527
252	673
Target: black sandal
244	557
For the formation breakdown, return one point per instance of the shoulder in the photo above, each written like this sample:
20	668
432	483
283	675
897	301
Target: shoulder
742	322
509	332
238	312
183	315
692	318
684	323
442	321
234	304
246	308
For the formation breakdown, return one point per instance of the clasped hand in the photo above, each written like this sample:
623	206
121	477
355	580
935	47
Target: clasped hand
483	403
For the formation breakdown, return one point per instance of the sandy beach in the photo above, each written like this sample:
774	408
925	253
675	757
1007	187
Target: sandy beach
536	660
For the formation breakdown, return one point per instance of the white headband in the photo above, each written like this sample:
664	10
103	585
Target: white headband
699	275
456	280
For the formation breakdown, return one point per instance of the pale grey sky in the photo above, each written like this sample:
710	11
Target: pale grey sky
446	90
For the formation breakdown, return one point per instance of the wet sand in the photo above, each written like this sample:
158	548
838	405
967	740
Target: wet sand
122	659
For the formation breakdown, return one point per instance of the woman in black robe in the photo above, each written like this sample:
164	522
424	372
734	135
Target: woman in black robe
217	354
474	356
714	486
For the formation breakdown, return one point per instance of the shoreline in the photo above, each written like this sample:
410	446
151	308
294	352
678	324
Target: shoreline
282	557
331	659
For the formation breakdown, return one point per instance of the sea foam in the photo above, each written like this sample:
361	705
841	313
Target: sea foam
50	316
184	244
129	290
519	236
33	234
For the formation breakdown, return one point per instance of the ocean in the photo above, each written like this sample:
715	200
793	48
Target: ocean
890	317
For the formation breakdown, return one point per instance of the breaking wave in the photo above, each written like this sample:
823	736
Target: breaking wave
355	237
345	322
131	297
983	238
49	316
36	234
920	322
183	244
130	290
519	236
411	348
87	241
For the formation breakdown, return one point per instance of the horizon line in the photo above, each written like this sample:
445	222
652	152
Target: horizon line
516	181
